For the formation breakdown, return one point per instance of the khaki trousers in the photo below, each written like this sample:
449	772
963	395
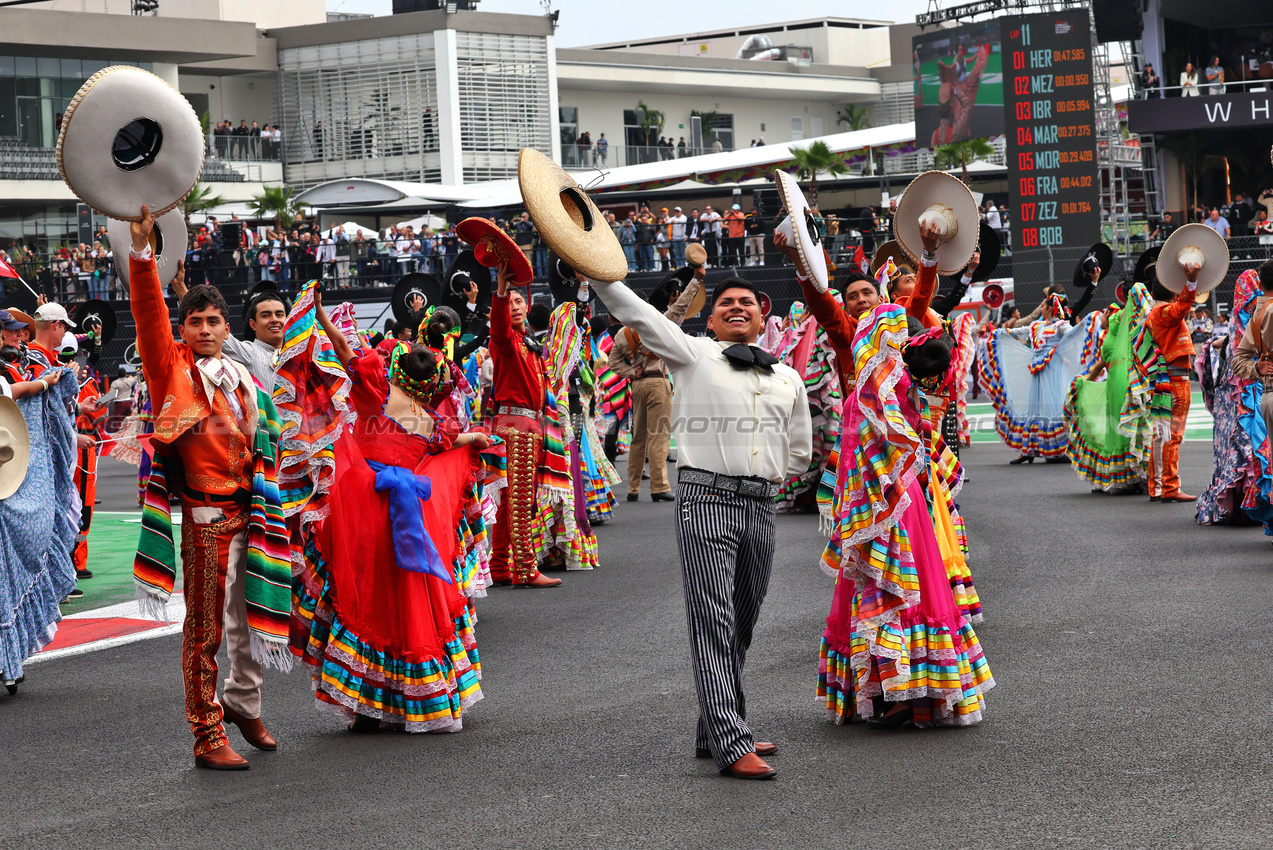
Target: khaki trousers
651	433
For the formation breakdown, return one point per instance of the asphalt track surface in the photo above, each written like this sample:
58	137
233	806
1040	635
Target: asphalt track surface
1131	710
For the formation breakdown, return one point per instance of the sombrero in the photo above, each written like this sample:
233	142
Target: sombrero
129	138
695	254
890	249
988	245
168	241
766	303
567	219
674	284
942	198
493	246
464	268
801	230
96	311
1098	256
1144	263
1193	243
22	316
424	285
561	280
15	447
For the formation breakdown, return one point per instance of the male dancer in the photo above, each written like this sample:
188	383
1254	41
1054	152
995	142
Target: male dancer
518	400
1167	323
205	429
759	434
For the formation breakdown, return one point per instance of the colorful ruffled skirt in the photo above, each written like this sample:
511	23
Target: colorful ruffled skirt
379	640
896	633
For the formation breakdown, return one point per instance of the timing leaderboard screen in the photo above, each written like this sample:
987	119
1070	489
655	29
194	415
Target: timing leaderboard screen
1049	121
1030	79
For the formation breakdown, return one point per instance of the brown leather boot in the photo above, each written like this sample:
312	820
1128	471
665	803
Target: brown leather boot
222	758
252	728
763	748
751	766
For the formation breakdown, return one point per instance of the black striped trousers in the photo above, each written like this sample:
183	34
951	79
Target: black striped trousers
726	543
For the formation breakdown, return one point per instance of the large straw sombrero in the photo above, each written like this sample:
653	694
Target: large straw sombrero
168	241
15	447
1193	242
129	138
943	198
493	246
801	230
567	219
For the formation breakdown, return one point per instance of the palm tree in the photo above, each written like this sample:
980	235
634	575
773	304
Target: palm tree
651	121
276	201
854	117
962	153
817	159
199	199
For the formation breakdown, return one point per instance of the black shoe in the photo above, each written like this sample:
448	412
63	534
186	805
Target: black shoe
892	721
662	497
75	593
632	497
1155	498
83	573
502	582
1022	459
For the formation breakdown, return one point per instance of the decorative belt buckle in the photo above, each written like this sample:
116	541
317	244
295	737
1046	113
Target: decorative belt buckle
728	484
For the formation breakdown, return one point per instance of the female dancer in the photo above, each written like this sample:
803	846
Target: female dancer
1238	470
895	633
385	627
1027	372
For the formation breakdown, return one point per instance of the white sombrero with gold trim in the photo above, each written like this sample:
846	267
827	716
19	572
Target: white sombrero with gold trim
129	138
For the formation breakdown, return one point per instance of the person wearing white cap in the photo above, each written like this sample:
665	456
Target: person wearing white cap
733	253
676	234
51	325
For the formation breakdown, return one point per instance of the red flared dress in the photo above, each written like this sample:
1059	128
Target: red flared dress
386	641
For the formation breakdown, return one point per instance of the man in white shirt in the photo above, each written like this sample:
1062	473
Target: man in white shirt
709	232
677	236
741	421
992	216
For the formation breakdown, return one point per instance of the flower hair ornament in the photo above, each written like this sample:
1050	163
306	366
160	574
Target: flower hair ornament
421	391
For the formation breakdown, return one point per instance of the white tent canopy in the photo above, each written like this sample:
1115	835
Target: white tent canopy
351	230
435	222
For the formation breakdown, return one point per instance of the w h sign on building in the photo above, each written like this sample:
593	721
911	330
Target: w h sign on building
1164	115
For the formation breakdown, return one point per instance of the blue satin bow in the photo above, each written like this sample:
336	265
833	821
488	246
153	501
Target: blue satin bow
411	544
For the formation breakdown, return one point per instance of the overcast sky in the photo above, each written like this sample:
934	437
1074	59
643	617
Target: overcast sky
600	21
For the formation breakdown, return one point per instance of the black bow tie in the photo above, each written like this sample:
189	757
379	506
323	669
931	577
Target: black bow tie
748	356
